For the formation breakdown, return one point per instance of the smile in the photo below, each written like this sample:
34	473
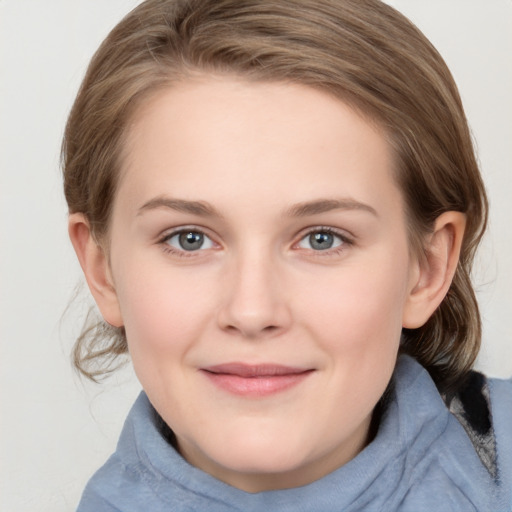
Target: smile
255	380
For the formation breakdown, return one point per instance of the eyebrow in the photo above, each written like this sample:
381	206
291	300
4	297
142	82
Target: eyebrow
204	209
326	205
200	208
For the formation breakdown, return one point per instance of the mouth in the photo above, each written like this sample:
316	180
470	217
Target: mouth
255	380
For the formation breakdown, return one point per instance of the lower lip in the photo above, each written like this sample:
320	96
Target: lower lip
256	387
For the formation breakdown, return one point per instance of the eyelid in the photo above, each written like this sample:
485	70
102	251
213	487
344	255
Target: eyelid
341	233
172	232
347	239
169	232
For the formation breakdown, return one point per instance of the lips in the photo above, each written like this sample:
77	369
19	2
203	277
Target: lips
255	380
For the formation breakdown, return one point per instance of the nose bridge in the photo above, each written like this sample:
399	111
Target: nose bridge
254	302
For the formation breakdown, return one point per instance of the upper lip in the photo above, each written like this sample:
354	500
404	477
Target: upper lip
257	370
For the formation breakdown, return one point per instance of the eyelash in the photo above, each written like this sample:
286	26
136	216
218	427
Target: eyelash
176	252
345	241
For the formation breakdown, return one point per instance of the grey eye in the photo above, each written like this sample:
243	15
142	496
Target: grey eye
320	241
190	241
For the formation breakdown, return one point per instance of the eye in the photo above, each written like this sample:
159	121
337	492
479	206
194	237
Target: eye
321	240
188	240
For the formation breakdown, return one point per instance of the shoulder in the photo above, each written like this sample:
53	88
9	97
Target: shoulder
500	392
483	406
458	451
110	487
126	482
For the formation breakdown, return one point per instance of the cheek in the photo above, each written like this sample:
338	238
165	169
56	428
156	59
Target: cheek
162	310
360	309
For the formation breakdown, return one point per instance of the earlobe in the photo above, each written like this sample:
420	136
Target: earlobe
95	266
436	269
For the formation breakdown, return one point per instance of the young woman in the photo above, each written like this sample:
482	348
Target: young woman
276	205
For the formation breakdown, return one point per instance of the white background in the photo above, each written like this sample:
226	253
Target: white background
55	430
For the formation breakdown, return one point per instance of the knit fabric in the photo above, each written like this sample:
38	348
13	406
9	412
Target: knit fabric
424	458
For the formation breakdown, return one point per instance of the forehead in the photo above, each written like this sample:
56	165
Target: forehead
219	134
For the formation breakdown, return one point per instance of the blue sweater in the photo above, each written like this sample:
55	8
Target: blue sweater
426	457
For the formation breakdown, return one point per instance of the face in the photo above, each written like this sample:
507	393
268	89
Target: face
260	262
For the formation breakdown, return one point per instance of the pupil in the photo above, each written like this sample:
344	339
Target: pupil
321	241
191	241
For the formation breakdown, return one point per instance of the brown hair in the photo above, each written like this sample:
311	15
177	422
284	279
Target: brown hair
363	52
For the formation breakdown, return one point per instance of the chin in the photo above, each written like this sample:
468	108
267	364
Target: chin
263	460
251	453
262	451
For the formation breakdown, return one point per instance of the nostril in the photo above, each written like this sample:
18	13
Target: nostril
251	331
253	315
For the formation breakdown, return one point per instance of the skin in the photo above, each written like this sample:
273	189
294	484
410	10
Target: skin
273	163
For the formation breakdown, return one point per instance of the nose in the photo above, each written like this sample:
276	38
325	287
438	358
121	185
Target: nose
254	304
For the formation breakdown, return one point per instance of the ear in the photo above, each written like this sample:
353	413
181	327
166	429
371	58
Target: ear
95	266
435	270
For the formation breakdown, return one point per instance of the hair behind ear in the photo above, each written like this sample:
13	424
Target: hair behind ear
101	339
447	343
96	353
